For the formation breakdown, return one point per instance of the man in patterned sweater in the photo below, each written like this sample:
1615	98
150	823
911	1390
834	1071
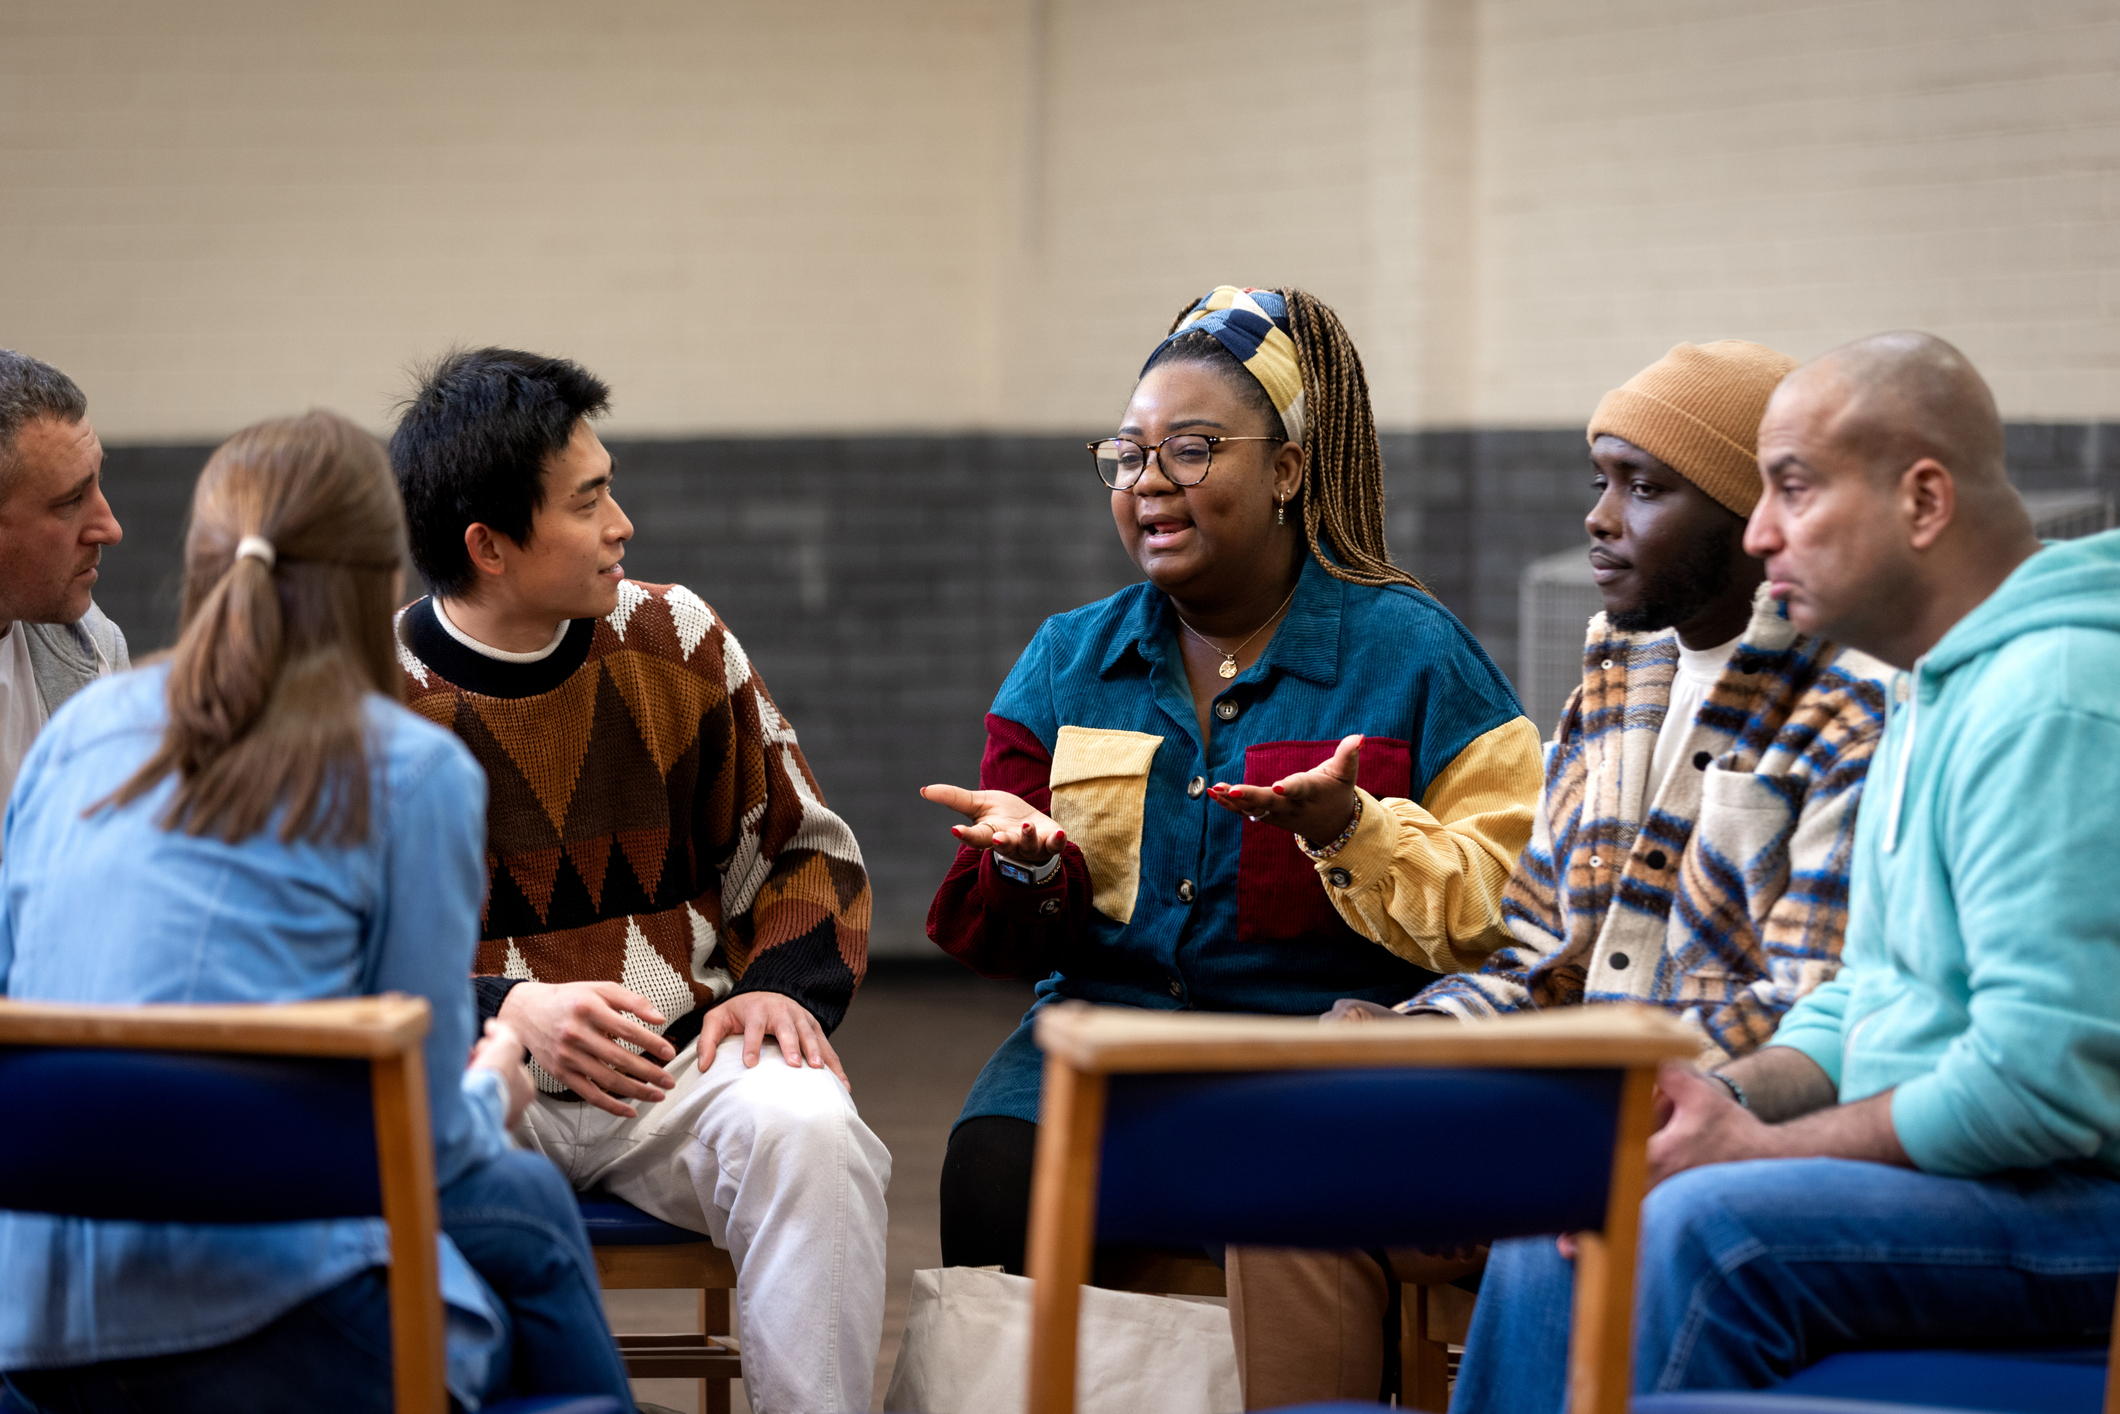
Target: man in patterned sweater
675	922
1693	843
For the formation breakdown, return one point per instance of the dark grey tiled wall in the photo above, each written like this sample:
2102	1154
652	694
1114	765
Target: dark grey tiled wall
884	585
2065	456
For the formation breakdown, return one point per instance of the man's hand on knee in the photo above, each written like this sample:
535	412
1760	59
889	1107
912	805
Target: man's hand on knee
1697	1121
573	1030
1708	1126
756	1015
1702	1123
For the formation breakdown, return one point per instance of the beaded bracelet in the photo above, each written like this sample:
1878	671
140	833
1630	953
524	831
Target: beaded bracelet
1328	851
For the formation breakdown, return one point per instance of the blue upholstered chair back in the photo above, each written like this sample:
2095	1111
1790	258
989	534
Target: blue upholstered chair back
240	1136
204	1138
1356	1158
1163	1127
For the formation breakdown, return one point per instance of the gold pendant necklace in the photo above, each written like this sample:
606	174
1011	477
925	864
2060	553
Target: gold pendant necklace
1228	666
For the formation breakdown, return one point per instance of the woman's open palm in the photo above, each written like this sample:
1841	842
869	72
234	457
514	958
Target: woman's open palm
1004	823
1315	804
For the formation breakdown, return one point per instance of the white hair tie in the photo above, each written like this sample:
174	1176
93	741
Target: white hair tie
257	547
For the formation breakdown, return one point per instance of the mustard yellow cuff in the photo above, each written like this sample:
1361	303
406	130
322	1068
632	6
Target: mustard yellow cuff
1367	856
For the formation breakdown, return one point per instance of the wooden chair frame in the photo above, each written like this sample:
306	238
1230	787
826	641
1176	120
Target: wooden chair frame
1085	1045
1437	1318
2112	1364
710	1355
387	1032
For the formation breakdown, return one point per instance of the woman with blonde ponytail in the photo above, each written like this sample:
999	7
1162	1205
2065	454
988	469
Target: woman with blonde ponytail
257	818
1274	774
292	567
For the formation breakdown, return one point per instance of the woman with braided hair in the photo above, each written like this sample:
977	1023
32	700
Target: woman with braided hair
1275	774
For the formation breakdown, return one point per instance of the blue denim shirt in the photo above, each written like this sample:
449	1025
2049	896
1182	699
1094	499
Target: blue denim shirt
107	906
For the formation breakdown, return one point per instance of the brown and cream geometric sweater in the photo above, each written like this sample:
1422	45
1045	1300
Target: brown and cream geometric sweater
650	819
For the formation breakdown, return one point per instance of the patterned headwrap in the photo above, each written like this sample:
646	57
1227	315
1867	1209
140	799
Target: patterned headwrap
1253	326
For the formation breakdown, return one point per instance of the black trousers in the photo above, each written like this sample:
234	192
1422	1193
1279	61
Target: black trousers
986	1204
986	1193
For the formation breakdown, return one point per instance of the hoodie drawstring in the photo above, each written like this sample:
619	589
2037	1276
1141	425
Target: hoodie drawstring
1906	755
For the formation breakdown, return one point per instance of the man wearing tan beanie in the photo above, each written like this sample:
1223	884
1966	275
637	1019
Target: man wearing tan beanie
1690	850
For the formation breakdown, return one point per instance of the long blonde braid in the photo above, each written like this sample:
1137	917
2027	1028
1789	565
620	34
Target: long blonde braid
1343	473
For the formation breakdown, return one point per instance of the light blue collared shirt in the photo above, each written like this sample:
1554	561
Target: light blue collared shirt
105	905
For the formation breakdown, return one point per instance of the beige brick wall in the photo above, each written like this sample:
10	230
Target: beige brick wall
1192	143
839	215
1800	174
744	215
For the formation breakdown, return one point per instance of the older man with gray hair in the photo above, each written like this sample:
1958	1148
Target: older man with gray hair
54	524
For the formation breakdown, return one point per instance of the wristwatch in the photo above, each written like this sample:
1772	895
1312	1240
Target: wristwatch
1018	874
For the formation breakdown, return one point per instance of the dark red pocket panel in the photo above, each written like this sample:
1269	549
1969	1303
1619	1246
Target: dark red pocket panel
1278	892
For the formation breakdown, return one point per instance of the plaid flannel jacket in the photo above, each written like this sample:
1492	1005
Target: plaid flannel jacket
1726	898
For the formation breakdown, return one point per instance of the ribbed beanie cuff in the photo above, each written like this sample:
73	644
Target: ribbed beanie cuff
1697	410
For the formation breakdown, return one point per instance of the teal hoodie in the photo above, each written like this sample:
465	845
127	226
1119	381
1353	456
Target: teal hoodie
1981	973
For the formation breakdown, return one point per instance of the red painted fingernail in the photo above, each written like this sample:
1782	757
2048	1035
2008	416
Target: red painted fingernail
1278	791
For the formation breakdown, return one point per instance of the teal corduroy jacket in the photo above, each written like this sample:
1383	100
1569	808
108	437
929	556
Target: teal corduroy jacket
1165	899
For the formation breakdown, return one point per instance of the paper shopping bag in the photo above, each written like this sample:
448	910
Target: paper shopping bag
967	1350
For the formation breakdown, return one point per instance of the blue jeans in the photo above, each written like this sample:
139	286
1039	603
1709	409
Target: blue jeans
517	1223
1748	1272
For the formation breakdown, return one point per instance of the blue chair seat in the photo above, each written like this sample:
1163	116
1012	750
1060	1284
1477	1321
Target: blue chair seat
541	1404
615	1224
1903	1381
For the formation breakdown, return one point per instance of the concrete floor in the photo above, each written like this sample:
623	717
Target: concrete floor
912	1042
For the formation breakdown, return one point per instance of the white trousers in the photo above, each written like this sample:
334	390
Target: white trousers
774	1164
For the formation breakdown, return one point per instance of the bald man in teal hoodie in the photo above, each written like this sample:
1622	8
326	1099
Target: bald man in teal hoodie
1928	1152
